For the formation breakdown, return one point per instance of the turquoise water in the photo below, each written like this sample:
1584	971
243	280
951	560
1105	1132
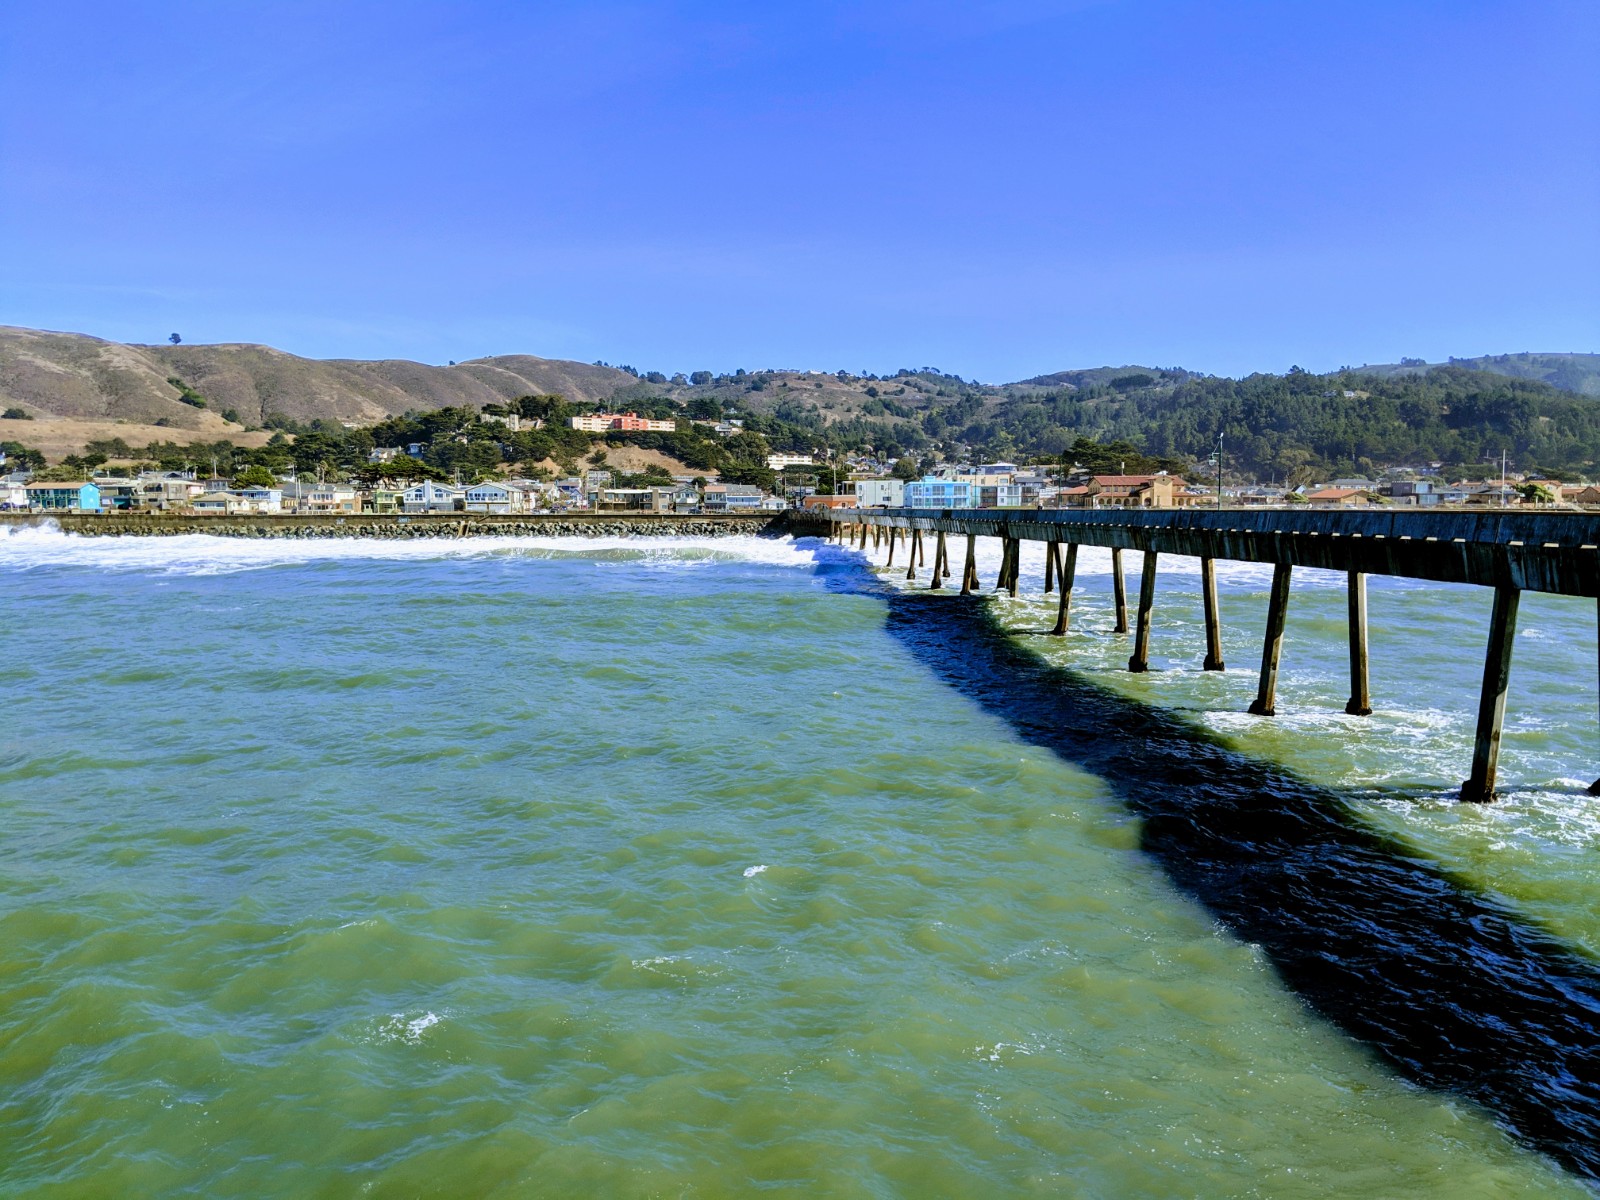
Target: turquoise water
549	868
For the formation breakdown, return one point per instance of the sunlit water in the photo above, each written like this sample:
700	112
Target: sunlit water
632	868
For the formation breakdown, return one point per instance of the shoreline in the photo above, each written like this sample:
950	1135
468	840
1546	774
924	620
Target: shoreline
432	525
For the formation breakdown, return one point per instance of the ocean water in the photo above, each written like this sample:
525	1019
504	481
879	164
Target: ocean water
546	867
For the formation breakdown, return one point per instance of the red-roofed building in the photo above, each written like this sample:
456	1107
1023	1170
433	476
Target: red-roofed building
1136	491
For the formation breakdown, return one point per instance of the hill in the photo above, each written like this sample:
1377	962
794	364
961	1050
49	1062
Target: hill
74	376
1579	373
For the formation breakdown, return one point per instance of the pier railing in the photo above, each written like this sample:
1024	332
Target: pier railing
1508	551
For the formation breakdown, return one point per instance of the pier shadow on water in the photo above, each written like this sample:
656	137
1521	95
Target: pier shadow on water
1450	987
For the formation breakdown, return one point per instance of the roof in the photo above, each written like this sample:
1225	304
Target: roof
1131	480
1333	494
74	484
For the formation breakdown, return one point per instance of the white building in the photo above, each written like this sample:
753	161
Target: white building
880	493
430	497
500	499
777	462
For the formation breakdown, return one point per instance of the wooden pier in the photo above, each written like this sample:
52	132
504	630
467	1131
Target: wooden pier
1511	552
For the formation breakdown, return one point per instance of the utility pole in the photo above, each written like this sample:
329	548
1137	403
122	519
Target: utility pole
1219	469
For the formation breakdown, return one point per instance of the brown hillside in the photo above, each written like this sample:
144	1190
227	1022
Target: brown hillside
74	375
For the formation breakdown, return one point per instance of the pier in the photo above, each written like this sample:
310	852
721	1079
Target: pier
1511	552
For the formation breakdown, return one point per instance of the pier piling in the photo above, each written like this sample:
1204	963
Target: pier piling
1069	571
1050	549
1360	702
911	553
1266	701
892	532
1492	700
941	562
1140	660
1119	591
969	569
1208	591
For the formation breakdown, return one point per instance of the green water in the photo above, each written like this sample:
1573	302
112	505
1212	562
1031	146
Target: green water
556	868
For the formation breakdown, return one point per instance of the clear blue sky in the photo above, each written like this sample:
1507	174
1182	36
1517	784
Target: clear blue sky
996	188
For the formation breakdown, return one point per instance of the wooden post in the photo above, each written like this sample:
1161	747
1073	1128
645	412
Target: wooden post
1050	566
941	561
1208	590
969	569
1492	700
1266	701
892	532
1140	660
1005	563
911	553
922	550
1069	571
1360	702
1119	591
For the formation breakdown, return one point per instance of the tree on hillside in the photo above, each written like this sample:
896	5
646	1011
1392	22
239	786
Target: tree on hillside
907	469
174	338
255	477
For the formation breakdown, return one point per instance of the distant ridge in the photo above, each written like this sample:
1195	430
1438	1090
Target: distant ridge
87	378
1579	373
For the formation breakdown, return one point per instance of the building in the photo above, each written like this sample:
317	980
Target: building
880	493
264	500
13	496
624	422
932	492
616	499
63	497
431	497
1336	497
305	498
498	499
777	462
732	497
1000	495
1136	491
221	504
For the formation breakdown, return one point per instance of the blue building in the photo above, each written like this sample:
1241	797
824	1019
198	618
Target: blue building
929	492
63	497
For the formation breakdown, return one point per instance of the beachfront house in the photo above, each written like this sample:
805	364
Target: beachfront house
63	497
431	497
1137	491
732	497
220	504
13	496
499	499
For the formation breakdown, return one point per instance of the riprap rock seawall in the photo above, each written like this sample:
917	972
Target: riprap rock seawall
442	525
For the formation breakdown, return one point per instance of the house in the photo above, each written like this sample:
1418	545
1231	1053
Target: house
166	492
821	502
497	498
63	497
680	497
1136	491
308	498
624	499
732	497
264	500
1586	494
386	500
932	492
880	493
431	497
220	504
13	496
383	454
1337	497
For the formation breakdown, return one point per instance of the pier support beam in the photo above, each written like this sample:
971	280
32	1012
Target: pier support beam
1140	661
1069	571
969	569
1010	566
911	553
892	532
941	562
1119	592
1360	703
1208	592
1492	700
1050	550
1266	701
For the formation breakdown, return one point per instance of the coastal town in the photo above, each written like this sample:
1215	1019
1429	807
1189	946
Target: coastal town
401	483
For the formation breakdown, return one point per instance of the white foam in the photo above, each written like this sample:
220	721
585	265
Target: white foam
756	870
400	1027
26	548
